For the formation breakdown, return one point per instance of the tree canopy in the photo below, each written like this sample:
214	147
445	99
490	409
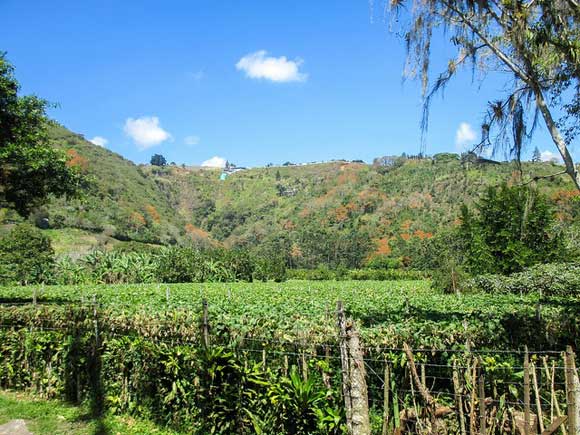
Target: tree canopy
30	169
511	229
158	160
537	42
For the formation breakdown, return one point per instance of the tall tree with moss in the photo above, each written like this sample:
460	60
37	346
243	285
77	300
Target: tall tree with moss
30	168
536	42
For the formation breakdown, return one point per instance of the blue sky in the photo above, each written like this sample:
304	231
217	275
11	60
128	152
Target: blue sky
253	82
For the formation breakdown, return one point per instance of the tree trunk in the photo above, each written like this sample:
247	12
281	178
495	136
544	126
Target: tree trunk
556	136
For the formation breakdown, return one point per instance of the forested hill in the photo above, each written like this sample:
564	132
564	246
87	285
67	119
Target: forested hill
332	213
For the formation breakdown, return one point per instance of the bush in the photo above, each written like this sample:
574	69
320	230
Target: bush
556	279
450	278
384	262
318	274
26	256
384	275
270	269
324	274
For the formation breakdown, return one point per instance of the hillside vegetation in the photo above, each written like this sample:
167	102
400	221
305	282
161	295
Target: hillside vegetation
337	213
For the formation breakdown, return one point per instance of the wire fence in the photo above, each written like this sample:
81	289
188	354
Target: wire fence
414	391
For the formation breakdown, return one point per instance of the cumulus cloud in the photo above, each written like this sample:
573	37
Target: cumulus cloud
277	69
191	140
549	156
99	140
215	162
464	135
146	131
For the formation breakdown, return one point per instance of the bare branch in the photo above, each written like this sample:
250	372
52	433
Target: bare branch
542	177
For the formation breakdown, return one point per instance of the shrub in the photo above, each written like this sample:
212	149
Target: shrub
384	262
450	278
180	265
26	256
556	279
384	275
319	274
270	269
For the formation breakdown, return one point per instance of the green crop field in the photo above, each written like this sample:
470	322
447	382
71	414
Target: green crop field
386	313
268	344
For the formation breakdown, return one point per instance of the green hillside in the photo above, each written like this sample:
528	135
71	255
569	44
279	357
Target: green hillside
336	213
120	203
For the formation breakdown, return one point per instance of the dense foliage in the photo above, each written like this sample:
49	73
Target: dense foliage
30	169
512	228
548	279
272	359
158	160
337	214
387	312
26	256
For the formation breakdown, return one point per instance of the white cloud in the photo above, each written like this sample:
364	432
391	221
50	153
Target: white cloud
549	156
215	162
146	131
464	135
277	69
191	140
99	140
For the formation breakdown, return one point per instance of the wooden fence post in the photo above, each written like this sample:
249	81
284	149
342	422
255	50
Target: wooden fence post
538	398
205	324
95	320
482	413
354	385
526	392
386	386
458	390
572	392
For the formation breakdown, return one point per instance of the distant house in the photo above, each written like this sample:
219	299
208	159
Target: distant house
231	168
471	157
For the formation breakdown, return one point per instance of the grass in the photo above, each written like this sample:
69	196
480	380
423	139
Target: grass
52	417
80	242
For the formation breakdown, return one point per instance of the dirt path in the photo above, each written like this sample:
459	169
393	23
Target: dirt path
15	427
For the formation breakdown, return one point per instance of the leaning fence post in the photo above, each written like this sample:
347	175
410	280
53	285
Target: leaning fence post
538	398
353	374
572	392
205	324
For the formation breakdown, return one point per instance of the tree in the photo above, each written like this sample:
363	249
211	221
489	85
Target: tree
158	160
510	230
30	168
26	256
536	157
536	41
